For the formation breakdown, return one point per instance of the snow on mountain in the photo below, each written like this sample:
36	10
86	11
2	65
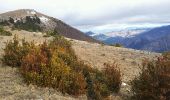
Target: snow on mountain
125	33
31	12
46	23
44	19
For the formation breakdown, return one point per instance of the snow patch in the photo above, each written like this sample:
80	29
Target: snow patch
31	12
17	19
125	33
44	19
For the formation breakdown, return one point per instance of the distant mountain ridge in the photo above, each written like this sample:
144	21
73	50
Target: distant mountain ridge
48	24
116	36
155	39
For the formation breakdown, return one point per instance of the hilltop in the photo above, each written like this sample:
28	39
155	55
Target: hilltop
29	18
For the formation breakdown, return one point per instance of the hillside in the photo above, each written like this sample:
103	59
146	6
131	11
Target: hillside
12	86
156	40
47	23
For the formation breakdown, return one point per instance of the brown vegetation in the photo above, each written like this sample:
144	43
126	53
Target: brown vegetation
55	65
154	80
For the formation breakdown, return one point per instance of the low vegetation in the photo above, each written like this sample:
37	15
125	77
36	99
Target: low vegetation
4	32
51	33
153	82
117	45
54	64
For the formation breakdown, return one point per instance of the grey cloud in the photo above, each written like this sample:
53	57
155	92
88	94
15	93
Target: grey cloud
92	13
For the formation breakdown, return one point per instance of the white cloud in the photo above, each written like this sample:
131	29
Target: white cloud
94	13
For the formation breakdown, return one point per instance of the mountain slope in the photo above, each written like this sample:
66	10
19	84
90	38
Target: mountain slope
157	40
90	33
47	24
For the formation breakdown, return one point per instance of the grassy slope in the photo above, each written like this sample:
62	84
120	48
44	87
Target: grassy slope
12	86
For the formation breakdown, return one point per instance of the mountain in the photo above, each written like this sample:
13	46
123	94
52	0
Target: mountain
42	22
126	33
116	36
100	37
150	39
157	39
90	33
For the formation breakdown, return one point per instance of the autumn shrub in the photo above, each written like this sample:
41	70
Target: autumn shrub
113	77
49	65
15	51
100	84
54	64
153	82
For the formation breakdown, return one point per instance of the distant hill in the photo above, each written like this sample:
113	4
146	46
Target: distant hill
157	39
100	37
46	23
90	33
116	36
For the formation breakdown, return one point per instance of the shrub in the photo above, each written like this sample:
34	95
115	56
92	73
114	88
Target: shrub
102	83
50	33
46	66
55	65
113	77
153	82
117	45
4	33
14	52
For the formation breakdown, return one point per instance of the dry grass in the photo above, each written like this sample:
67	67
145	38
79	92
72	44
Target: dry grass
11	85
96	55
128	60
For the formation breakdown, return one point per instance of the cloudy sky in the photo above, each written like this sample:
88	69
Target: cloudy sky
99	15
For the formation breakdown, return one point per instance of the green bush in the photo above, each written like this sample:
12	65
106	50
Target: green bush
4	33
153	82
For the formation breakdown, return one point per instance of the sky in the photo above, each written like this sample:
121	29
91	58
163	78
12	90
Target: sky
99	15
